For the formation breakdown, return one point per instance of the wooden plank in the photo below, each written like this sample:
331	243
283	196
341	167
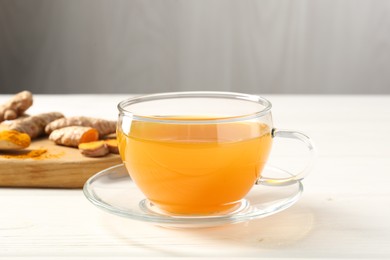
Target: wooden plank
58	167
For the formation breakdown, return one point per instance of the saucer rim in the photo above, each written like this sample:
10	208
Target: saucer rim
189	221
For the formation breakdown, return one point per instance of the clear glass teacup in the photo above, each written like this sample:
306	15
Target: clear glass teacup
196	153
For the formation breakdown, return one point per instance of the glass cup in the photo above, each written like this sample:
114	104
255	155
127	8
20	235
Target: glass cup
200	153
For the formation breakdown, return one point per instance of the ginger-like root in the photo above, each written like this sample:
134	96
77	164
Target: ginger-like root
112	145
99	148
34	126
16	106
74	135
94	149
104	127
13	140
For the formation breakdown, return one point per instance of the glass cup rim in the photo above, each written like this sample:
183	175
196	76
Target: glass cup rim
195	94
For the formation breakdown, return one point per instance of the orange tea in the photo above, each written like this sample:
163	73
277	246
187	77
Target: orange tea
198	168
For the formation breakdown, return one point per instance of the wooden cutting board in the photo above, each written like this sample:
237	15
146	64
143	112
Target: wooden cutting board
58	167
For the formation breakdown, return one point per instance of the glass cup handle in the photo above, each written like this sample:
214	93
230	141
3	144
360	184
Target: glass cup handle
300	175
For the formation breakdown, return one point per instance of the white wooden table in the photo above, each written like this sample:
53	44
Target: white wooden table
344	211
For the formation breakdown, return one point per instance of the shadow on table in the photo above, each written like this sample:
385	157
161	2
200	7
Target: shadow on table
273	232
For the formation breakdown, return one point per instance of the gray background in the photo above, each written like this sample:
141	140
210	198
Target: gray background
143	46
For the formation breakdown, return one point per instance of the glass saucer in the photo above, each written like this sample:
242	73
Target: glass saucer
114	191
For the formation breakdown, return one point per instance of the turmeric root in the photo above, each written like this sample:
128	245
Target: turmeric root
104	127
16	106
34	125
99	148
94	149
74	135
13	140
112	145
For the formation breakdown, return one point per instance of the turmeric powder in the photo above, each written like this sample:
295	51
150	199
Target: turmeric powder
11	139
25	154
35	153
38	154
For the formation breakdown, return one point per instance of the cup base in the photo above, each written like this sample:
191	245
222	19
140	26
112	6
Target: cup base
149	207
114	191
